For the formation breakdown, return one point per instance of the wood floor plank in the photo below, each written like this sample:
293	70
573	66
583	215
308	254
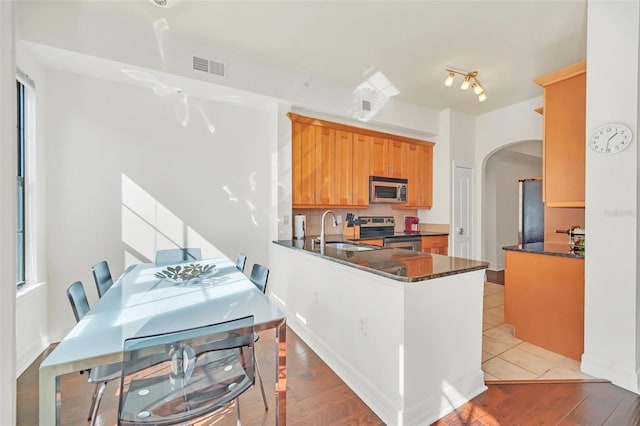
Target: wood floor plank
596	407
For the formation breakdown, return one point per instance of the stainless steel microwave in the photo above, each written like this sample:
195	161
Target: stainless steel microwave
387	190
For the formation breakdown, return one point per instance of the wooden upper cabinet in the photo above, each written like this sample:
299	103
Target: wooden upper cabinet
386	157
303	155
325	164
343	171
332	162
418	169
425	175
378	157
360	165
564	140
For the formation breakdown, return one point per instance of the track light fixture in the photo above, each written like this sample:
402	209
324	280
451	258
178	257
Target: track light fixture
476	86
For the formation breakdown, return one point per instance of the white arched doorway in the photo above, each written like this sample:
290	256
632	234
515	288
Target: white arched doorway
501	170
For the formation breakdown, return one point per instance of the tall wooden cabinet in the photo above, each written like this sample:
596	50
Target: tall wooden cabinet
418	168
564	142
331	164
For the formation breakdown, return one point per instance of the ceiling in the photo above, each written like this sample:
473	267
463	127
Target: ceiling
509	42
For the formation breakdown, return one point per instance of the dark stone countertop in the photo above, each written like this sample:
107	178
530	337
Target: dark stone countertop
549	249
398	264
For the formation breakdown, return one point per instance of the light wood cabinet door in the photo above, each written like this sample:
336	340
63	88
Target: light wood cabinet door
343	171
412	174
394	158
418	169
325	164
378	157
360	167
303	164
437	244
563	159
564	142
386	157
424	174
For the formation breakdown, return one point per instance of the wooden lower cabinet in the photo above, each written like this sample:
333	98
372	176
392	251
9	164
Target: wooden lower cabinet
377	242
438	244
544	301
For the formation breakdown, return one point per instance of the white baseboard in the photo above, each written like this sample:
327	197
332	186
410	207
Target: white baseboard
624	377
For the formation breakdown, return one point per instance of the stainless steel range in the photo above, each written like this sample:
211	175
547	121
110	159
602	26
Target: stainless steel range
376	226
383	227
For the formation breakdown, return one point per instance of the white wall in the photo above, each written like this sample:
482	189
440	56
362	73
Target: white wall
130	172
500	207
497	129
612	336
7	217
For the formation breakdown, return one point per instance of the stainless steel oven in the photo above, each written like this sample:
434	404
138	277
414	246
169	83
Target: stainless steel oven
413	243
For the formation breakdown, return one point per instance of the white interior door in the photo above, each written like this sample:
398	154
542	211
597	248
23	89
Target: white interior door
462	230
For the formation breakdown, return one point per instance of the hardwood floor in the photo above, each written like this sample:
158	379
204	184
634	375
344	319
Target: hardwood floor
316	396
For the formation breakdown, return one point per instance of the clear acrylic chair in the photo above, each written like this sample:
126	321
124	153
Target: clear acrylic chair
241	261
180	377
259	277
102	277
99	375
170	256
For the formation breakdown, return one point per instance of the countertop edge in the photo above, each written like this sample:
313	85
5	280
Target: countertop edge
481	266
543	252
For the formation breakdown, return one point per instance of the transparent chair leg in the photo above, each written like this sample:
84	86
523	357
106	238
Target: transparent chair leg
264	396
237	407
98	399
93	401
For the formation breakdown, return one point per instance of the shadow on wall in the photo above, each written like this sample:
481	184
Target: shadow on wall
148	226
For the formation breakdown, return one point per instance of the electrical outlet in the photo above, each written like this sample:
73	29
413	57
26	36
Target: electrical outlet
339	219
285	219
363	326
315	296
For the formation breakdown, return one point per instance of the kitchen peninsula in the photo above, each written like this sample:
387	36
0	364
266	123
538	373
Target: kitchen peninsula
403	329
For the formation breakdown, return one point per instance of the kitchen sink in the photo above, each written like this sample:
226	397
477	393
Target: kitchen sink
349	247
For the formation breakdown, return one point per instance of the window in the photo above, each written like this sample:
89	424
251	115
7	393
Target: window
20	240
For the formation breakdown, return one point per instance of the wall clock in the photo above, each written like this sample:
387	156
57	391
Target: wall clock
610	138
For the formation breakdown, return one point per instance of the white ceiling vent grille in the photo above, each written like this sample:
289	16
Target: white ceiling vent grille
216	68
208	66
366	105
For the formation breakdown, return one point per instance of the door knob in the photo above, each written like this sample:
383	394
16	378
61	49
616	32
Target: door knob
461	231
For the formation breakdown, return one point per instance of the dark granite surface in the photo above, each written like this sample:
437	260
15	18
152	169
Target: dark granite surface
397	264
550	249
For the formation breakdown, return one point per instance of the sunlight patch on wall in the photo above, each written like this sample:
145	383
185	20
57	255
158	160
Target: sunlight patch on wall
148	226
131	259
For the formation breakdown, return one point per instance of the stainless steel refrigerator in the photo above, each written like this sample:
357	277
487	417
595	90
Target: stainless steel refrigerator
531	212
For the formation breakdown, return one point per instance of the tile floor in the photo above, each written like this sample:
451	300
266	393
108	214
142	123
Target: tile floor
506	358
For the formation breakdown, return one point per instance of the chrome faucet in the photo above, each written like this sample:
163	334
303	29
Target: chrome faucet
335	223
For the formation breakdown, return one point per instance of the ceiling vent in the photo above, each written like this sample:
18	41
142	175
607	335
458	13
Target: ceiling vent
366	105
208	66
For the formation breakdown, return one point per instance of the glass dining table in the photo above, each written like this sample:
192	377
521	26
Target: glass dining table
145	301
